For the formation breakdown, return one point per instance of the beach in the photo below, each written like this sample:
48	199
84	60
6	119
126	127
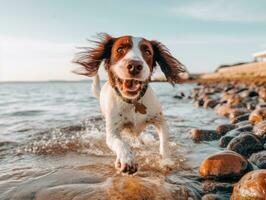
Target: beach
53	143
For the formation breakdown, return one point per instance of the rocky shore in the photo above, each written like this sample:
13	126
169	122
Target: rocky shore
239	169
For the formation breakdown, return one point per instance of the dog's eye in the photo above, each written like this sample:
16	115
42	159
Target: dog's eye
147	52
120	49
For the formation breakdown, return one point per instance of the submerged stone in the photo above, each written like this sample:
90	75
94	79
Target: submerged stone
198	135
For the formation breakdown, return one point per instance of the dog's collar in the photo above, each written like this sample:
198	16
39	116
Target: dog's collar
132	101
139	107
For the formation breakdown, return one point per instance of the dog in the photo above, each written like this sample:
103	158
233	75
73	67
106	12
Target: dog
126	99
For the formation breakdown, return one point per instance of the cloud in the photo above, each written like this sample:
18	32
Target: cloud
222	10
28	59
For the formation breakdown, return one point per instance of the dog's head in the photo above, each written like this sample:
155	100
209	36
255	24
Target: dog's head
129	62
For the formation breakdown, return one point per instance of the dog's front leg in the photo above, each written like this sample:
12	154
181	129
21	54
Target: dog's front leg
162	129
125	159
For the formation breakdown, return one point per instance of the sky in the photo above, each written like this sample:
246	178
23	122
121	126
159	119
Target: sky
38	39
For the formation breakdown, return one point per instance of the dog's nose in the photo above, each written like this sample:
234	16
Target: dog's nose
134	67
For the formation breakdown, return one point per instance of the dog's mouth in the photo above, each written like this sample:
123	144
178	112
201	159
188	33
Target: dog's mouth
130	87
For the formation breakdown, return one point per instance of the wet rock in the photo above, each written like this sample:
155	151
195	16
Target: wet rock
225	164
237	112
210	103
243	123
231	99
245	144
224	141
214	197
259	159
247	128
224	128
114	188
240	118
261	105
223	110
198	103
260	129
251	186
198	135
262	94
257	115
210	186
181	95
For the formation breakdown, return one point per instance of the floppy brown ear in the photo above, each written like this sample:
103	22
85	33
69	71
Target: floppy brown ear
169	65
91	58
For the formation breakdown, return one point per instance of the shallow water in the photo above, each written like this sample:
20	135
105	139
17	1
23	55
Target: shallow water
52	142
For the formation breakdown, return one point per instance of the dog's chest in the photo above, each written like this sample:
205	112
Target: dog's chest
134	121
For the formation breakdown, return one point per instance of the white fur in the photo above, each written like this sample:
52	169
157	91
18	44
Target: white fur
117	113
133	54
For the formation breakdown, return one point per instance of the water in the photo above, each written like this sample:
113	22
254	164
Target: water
52	135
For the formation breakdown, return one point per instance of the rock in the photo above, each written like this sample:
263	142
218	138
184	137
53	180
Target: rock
240	118
261	105
257	116
245	144
223	110
259	159
225	164
251	186
224	128
210	103
243	123
224	141
213	197
247	128
237	112
260	129
198	135
262	94
198	103
231	99
211	186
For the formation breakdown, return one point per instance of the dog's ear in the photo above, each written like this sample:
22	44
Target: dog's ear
169	65
91	58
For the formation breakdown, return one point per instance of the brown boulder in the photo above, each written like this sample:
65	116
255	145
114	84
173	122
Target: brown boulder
251	186
225	164
257	116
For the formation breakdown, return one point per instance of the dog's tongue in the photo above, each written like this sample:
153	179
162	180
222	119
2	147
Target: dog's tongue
131	85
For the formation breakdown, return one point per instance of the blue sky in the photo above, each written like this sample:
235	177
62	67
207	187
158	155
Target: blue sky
38	38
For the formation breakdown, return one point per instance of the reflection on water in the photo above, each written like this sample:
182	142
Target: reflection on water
52	145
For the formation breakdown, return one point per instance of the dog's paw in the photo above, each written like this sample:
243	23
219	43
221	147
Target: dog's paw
126	164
